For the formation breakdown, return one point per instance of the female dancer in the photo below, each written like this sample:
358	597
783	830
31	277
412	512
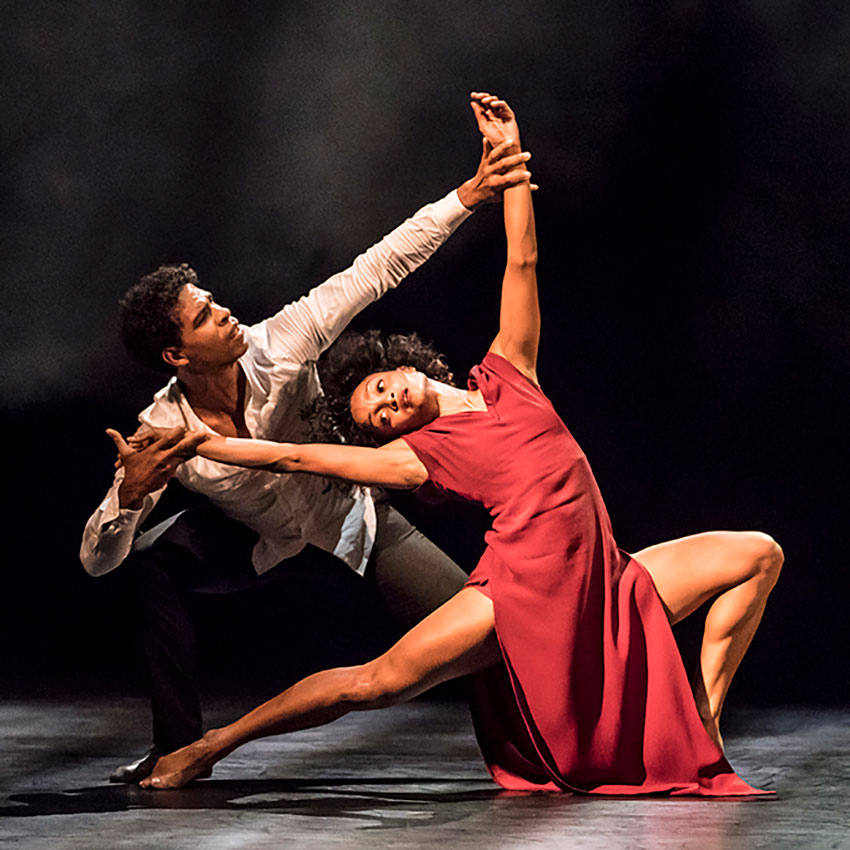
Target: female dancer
578	684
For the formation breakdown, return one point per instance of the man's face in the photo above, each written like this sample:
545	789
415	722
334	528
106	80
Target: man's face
209	335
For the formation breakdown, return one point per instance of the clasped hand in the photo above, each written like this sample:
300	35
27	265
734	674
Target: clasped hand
150	458
503	162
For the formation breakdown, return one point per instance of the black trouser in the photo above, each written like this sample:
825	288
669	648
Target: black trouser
202	551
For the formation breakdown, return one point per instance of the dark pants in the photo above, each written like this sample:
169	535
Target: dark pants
201	551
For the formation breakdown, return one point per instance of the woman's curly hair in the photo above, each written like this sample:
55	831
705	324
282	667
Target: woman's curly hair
353	357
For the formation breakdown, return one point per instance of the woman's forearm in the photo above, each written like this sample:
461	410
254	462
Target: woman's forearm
253	454
393	465
519	225
519	315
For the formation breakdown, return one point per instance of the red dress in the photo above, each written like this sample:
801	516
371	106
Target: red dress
593	695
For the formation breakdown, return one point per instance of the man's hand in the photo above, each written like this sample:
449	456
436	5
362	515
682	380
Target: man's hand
151	461
500	167
496	120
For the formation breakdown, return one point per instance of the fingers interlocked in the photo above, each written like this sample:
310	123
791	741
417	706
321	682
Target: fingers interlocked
165	447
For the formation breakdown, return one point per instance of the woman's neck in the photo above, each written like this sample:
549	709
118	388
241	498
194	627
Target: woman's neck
456	400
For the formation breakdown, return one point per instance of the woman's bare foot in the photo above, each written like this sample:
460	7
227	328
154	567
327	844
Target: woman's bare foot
175	770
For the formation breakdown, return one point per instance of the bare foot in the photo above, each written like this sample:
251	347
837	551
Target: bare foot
182	766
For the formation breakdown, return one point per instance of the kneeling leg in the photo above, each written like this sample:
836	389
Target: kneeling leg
739	569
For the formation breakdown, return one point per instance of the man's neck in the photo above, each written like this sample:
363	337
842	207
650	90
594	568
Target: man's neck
219	391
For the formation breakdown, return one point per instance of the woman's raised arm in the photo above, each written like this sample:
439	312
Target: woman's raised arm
519	316
393	465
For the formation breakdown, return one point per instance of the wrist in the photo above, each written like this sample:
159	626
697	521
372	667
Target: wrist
130	498
467	194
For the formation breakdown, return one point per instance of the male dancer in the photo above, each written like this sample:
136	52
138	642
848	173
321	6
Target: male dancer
254	381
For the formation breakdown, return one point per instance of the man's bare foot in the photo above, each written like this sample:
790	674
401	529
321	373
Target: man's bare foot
182	766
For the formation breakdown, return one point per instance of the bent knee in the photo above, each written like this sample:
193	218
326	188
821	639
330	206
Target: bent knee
766	556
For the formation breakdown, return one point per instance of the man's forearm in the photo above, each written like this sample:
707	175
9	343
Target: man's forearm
106	545
467	195
110	531
131	496
304	328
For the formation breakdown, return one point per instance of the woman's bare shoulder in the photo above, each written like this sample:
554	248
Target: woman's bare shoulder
406	462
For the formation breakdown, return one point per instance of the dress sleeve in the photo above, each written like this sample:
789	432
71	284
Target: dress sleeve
424	444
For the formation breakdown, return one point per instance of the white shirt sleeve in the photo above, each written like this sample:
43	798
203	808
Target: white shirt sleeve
302	330
110	531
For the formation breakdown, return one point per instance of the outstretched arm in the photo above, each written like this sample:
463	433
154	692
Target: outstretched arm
393	465
519	317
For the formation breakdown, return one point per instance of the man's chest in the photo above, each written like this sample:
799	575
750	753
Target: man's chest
228	425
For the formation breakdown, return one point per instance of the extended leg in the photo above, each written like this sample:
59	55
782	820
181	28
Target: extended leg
457	639
740	569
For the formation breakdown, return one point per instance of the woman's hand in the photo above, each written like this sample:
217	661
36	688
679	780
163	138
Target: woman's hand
496	120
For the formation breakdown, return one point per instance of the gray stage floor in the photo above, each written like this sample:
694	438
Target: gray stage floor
410	776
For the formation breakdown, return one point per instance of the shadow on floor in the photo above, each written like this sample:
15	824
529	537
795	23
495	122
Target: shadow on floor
318	798
325	798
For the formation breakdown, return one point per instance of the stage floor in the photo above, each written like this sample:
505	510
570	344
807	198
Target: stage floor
407	777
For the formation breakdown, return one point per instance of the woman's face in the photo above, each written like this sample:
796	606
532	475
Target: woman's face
389	404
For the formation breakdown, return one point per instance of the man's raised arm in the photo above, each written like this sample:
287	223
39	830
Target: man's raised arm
302	330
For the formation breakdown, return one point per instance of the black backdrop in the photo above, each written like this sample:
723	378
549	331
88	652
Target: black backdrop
693	215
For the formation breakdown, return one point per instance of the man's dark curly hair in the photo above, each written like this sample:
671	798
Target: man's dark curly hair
347	362
149	314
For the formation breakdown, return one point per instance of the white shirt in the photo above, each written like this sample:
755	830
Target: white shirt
286	510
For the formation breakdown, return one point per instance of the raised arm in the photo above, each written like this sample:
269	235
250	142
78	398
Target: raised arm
519	316
306	327
393	465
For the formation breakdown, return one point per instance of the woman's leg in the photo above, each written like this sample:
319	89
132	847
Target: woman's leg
457	639
740	568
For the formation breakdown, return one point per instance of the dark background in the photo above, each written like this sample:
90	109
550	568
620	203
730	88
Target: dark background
693	218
